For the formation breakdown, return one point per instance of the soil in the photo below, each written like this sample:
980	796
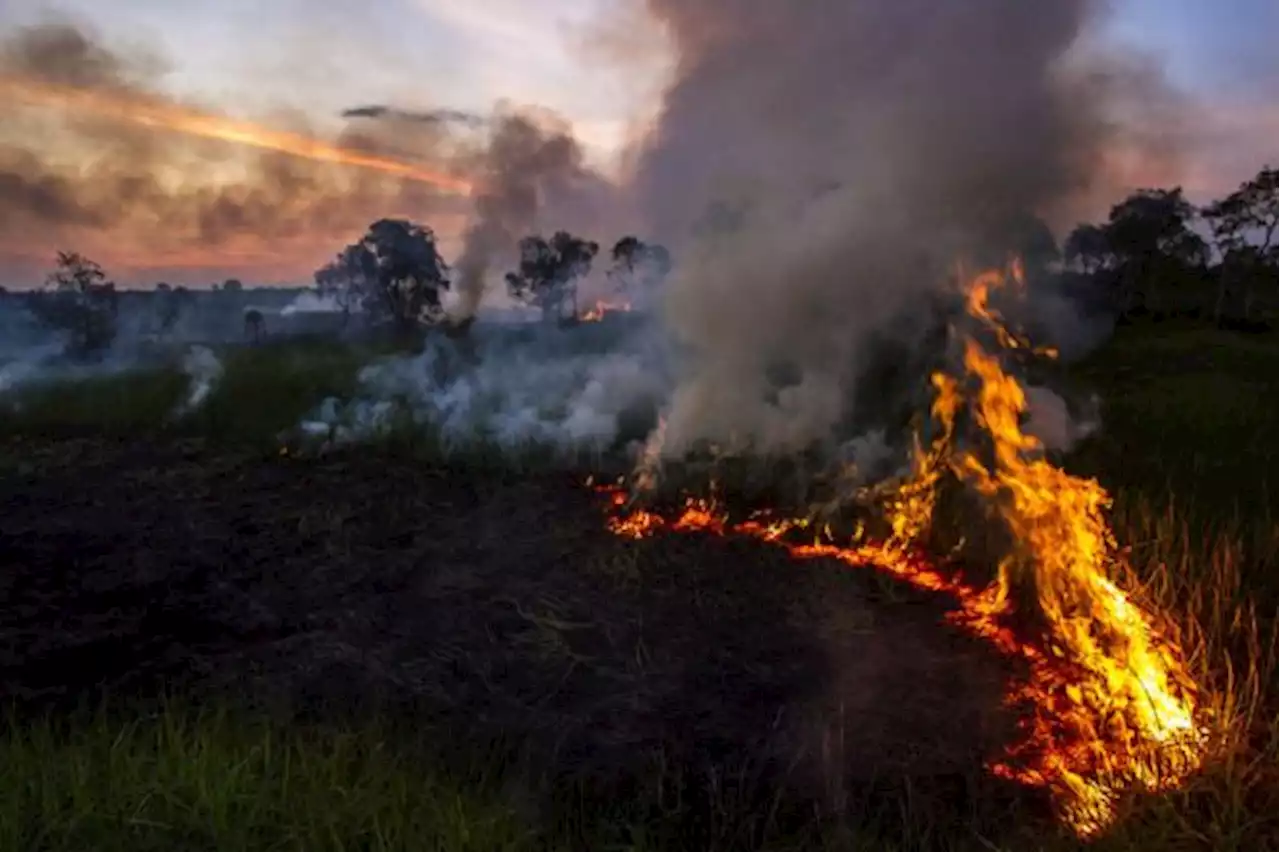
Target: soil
485	604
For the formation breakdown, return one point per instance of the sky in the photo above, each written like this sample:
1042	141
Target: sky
318	57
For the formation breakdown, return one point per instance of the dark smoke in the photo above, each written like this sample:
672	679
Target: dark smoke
531	178
818	167
69	175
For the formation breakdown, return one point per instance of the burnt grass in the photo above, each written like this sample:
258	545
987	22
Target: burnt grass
487	607
687	691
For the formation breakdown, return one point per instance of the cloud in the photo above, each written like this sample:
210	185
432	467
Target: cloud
96	153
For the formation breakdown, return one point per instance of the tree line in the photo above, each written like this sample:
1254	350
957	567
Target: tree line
395	274
1156	255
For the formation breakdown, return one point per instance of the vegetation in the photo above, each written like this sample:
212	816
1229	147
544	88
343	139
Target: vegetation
1197	517
80	302
549	271
394	273
639	264
1150	259
245	646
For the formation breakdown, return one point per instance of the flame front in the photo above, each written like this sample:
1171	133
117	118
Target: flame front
1106	704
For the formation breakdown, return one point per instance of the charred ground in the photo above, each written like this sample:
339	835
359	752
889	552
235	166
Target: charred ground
497	607
696	691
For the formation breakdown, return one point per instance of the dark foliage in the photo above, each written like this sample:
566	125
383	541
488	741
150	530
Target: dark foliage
549	271
79	301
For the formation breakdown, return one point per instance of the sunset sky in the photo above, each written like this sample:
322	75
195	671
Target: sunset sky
316	57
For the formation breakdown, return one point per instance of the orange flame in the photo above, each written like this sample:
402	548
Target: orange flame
166	116
597	311
1107	704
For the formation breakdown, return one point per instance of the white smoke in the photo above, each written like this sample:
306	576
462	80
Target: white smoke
310	302
203	370
1049	419
568	390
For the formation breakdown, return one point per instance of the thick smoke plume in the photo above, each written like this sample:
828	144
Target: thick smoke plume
83	174
531	178
819	167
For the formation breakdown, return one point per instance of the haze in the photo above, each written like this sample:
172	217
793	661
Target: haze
248	203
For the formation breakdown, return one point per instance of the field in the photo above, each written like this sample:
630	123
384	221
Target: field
208	642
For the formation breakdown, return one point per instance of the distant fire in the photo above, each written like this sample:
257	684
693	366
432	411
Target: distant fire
1107	704
597	311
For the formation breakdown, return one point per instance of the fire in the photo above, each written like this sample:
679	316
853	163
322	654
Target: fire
1106	704
165	116
597	311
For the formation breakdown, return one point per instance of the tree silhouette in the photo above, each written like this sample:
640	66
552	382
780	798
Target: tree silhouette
549	271
637	263
1150	235
79	300
1244	231
332	284
1087	249
232	285
253	325
172	302
395	272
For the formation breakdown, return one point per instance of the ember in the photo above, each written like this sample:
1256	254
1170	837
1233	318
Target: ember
1106	703
597	311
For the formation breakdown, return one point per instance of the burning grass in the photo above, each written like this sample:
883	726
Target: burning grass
539	614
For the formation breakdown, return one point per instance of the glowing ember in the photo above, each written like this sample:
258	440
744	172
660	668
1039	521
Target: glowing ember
597	311
1106	703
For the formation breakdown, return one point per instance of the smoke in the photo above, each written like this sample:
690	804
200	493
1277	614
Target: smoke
818	168
536	386
203	370
76	170
1050	420
308	302
530	178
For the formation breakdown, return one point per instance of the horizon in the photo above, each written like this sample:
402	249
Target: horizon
208	82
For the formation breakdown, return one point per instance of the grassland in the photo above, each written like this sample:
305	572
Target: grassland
210	646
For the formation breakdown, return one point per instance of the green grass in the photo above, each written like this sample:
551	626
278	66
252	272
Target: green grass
1188	449
186	778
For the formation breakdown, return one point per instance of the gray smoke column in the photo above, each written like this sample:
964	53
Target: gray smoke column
817	167
530	177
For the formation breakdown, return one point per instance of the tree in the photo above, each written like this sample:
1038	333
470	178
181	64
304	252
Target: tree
253	325
1151	236
1087	249
172	302
1154	222
332	284
1244	231
395	272
79	300
549	271
232	285
638	263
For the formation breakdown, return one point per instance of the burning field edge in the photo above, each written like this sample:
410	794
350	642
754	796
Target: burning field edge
1108	702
